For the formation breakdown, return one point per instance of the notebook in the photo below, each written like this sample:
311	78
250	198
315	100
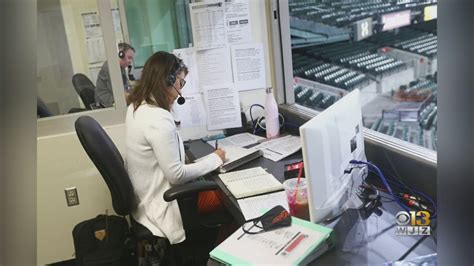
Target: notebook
298	244
235	157
250	182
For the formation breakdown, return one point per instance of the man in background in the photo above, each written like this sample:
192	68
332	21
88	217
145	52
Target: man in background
103	92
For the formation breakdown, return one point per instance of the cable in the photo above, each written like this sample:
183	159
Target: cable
383	179
263	127
416	192
250	111
373	168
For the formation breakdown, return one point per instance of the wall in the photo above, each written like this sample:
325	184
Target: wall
63	163
18	136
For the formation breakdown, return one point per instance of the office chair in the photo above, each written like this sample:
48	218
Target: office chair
85	89
41	109
106	157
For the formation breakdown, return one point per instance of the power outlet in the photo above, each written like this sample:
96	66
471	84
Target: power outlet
71	196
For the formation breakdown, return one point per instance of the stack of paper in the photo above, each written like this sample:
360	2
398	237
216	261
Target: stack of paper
238	140
279	148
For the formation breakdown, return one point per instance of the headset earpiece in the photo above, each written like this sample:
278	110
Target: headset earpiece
121	54
171	79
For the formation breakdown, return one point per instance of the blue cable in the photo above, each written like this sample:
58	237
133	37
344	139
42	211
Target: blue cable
400	184
385	181
432	202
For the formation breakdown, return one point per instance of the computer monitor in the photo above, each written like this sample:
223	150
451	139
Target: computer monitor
329	141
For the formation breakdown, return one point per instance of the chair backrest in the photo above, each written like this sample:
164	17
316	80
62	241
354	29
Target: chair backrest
106	157
85	89
41	109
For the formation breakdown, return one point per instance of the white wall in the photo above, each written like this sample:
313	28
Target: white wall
62	163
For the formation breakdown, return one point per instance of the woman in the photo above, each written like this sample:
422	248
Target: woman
155	152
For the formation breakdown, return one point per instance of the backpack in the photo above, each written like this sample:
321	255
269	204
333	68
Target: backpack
102	241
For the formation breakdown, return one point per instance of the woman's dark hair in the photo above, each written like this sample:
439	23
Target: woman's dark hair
153	87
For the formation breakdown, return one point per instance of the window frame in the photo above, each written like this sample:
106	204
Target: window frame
282	54
108	116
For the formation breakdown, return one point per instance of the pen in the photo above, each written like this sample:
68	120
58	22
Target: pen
217	143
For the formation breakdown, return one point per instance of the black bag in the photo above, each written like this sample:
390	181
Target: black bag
102	241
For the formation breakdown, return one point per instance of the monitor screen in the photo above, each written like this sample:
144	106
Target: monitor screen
329	141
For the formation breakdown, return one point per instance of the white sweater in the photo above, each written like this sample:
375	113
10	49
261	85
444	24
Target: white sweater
155	162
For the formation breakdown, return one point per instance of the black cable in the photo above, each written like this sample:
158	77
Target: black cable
250	112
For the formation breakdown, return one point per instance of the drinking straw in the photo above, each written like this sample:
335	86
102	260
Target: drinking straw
300	172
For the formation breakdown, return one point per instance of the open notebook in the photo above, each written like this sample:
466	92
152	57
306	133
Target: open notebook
250	182
235	157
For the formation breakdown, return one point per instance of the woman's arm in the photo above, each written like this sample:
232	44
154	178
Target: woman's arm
163	138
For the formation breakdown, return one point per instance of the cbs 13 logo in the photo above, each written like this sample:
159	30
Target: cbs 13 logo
413	218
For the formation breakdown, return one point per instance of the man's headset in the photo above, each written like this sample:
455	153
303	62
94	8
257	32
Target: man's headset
121	54
172	78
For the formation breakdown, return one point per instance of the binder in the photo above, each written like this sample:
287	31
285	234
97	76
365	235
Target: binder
235	157
298	244
243	159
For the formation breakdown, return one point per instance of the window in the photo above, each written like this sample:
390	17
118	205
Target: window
387	49
157	26
76	37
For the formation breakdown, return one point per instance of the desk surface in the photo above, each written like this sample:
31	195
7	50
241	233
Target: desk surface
358	241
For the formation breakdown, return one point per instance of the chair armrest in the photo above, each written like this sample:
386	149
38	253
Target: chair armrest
187	190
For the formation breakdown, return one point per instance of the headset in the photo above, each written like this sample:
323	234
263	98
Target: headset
172	78
123	47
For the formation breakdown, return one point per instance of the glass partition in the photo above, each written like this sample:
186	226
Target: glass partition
71	41
387	49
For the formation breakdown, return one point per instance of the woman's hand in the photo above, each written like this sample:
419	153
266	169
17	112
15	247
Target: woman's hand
221	154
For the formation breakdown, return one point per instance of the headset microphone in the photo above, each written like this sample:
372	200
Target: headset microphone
181	99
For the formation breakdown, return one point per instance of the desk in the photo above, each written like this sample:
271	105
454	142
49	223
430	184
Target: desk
361	242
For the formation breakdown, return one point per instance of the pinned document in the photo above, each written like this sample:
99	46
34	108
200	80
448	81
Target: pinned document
222	107
248	66
237	21
208	24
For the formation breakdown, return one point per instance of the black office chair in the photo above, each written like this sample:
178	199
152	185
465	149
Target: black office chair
85	89
41	109
106	157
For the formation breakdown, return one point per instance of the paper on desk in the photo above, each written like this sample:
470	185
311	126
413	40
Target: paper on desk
248	66
214	66
188	55
277	149
237	21
222	107
253	207
208	24
191	114
239	140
